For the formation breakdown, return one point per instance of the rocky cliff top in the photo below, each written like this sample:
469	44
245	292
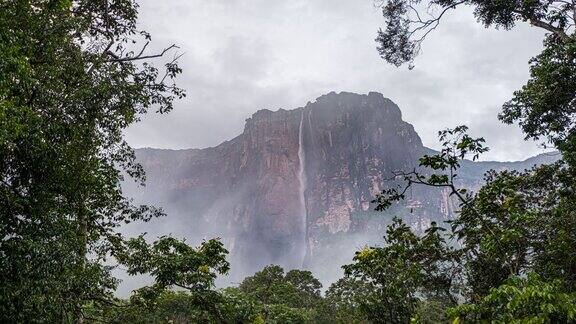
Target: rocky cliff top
296	185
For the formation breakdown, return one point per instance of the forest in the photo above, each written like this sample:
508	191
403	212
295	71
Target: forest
74	74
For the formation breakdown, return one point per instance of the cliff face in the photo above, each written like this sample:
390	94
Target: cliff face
295	187
352	144
245	191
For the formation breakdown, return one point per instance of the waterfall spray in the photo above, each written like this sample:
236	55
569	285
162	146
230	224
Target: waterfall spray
302	180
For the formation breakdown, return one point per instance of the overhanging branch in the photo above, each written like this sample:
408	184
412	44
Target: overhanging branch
140	56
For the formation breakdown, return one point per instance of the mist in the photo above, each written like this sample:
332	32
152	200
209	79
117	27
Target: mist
295	187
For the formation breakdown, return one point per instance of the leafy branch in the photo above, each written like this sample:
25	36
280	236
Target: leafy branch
409	22
457	145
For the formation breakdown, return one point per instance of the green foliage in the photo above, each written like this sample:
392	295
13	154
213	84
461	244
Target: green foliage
456	145
183	307
402	272
307	287
545	106
431	311
278	313
178	307
517	223
174	263
522	300
69	86
407	26
241	308
343	301
289	297
270	296
508	226
71	82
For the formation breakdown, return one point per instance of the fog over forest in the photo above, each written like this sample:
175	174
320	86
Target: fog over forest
297	185
305	161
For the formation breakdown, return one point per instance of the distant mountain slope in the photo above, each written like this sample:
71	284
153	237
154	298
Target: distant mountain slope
295	187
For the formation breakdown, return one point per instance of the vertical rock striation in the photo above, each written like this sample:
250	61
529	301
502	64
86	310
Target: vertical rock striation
295	185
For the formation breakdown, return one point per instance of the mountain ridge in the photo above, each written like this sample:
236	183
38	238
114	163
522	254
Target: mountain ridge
248	190
553	155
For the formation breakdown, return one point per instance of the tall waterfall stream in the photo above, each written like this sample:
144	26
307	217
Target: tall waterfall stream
302	189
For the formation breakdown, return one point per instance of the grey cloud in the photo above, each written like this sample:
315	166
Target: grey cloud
246	55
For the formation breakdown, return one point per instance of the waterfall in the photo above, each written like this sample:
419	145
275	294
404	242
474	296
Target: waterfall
302	186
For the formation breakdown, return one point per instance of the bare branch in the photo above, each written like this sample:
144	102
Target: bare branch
143	49
556	30
427	26
117	58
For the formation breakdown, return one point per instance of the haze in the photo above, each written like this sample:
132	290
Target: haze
241	56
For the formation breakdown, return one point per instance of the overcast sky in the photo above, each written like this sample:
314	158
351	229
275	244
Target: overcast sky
245	55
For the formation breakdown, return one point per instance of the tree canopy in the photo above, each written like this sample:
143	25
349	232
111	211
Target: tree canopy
73	76
544	107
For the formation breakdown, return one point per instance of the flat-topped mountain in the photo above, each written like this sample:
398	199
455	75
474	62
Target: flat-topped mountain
295	187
